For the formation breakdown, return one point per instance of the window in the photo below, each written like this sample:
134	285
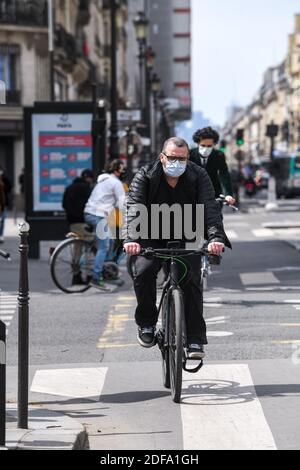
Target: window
8	66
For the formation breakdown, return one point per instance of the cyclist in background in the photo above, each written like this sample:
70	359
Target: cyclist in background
75	198
214	162
107	195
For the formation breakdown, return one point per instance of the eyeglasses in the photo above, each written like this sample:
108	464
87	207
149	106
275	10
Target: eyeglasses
173	159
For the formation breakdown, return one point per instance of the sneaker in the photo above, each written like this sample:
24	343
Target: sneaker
195	351
146	336
100	284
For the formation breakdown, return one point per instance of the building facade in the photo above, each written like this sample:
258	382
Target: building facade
276	102
82	52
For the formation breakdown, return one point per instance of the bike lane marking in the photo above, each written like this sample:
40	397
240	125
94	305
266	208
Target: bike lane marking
221	399
258	278
263	232
73	383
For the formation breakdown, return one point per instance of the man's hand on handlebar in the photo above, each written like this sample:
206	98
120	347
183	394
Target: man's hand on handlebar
230	200
132	248
216	248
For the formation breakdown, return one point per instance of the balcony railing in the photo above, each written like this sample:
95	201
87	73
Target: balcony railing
65	46
84	14
24	13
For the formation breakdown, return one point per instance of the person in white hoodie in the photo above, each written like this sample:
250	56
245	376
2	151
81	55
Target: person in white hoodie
107	195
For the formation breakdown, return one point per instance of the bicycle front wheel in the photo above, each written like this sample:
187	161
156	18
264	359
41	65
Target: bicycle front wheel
71	265
176	319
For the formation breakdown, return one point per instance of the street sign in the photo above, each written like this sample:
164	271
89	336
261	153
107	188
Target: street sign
129	115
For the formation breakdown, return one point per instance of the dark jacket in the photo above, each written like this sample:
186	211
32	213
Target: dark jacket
2	197
145	185
7	190
74	200
217	170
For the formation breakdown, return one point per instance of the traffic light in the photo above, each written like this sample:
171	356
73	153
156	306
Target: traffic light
272	130
223	145
240	137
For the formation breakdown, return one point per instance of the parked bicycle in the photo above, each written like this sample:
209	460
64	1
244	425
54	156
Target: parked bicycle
172	338
72	262
207	261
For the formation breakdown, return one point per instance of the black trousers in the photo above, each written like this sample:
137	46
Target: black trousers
145	272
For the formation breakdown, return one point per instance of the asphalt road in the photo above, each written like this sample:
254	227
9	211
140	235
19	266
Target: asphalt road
86	363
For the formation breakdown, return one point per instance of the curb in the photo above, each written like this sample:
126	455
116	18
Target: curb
48	430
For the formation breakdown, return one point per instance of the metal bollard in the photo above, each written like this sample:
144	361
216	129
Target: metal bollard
23	313
2	381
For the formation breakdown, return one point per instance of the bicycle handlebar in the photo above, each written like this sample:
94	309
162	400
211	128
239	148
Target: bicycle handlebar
4	255
175	252
222	199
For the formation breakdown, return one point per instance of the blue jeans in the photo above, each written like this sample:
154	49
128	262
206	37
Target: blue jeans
102	238
2	220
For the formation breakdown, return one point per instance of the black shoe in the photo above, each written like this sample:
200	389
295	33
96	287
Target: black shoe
77	280
146	336
195	351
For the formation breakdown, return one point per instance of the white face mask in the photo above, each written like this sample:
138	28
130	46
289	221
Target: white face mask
205	151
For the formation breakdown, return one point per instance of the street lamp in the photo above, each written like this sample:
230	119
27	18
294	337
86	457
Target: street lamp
150	56
156	89
141	31
114	144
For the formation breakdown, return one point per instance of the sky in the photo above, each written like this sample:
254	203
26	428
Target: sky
233	43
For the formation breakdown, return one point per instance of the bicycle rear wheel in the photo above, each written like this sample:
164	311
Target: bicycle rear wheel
176	318
165	350
71	265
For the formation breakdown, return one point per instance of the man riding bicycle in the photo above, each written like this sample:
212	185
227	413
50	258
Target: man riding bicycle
172	179
213	160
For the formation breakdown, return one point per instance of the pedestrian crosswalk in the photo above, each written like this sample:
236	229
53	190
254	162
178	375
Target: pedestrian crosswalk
246	233
8	307
220	408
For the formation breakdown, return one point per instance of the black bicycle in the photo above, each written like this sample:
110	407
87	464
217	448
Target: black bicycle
172	338
72	262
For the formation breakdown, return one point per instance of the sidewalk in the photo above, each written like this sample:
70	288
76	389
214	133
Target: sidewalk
48	430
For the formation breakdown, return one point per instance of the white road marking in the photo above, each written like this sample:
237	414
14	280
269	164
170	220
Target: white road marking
285	268
297	301
74	383
216	320
231	234
210	305
219	334
277	288
227	409
224	289
258	278
263	232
